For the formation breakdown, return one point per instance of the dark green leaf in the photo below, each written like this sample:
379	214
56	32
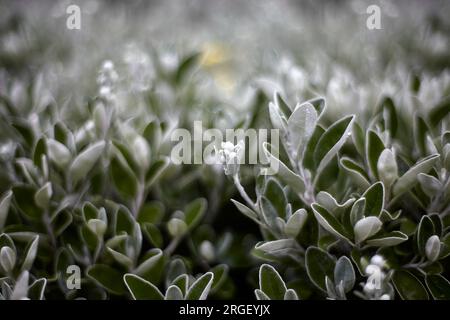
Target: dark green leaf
319	264
107	277
408	286
141	289
271	283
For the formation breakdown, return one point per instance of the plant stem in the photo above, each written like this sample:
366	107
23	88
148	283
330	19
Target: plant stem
243	193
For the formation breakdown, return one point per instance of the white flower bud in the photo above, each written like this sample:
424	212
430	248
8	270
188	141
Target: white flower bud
176	227
141	152
230	155
7	258
97	226
58	153
207	250
385	297
372	269
432	248
387	167
369	288
43	195
378	261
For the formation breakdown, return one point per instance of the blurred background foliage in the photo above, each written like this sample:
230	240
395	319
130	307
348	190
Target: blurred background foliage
138	69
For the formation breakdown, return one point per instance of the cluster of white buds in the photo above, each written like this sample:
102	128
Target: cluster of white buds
140	68
230	157
107	80
375	287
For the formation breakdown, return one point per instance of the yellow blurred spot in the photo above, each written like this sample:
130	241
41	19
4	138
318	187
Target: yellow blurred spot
224	80
213	54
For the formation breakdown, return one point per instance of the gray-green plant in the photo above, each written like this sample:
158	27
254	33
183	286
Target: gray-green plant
359	208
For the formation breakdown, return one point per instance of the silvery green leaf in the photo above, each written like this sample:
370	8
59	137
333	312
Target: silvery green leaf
282	247
269	213
277	120
21	287
39	152
430	146
357	211
329	222
331	289
374	148
182	282
446	153
107	277
387	167
340	291
30	255
176	268
290	295
327	201
153	134
274	192
271	283
319	265
100	119
199	290
97	226
430	185
282	105
390	115
366	228
23	195
432	248
84	162
261	295
43	195
123	176
319	104
344	272
387	216
141	289
6	291
295	223
220	275
358	138
409	286
194	212
148	264
438	286
375	196
301	125
29	170
173	293
246	211
286	175
153	234
156	170
37	289
424	231
5	202
387	240
120	258
7	259
440	111
357	173
58	153
331	142
409	179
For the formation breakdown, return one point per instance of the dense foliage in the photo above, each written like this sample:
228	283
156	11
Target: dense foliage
360	206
